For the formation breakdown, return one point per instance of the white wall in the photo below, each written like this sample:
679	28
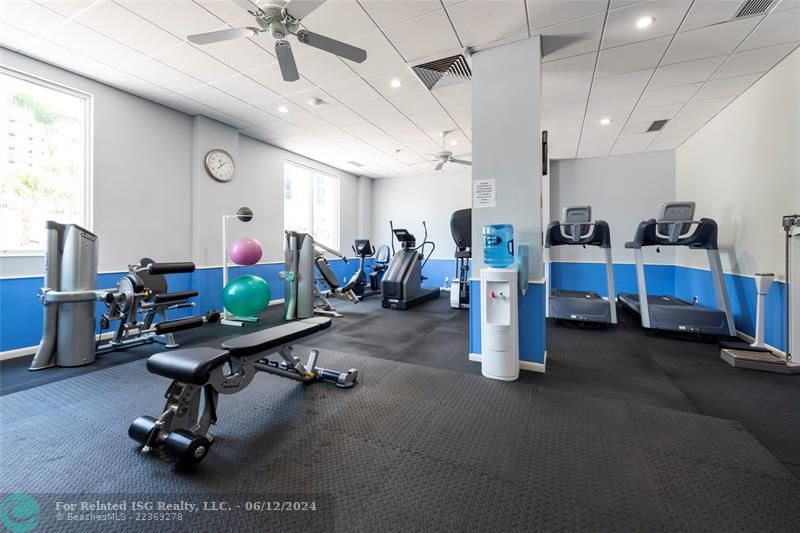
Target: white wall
408	201
623	190
142	169
152	196
743	170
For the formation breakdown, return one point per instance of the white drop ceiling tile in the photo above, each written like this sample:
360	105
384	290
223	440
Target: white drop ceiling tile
470	21
16	39
564	112
30	17
629	82
244	88
617	108
179	17
677	131
163	75
706	106
322	68
717	40
561	95
616	4
195	63
253	115
728	86
339	20
456	96
272	107
595	147
669	95
225	118
787	4
302	100
426	167
621	24
259	133
121	25
685	73
239	54
381	81
418	101
708	12
336	135
381	55
284	129
778	28
214	98
184	104
572	38
434	121
270	76
651	114
631	57
408	157
439	37
67	8
752	61
228	11
344	118
352	92
386	13
74	62
636	128
95	45
628	144
543	13
568	71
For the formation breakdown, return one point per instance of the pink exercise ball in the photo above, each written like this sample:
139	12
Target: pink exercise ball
245	251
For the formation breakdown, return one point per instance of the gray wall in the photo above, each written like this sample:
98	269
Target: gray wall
506	147
743	170
623	190
151	194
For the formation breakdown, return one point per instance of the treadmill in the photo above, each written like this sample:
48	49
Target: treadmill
577	229
669	313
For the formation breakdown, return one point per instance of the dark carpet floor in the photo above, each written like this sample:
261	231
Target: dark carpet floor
625	431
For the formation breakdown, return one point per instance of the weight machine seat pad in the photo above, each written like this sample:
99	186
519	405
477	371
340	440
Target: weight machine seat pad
189	365
327	274
173	296
275	337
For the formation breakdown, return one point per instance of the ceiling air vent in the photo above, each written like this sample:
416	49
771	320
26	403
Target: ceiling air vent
657	125
444	71
753	7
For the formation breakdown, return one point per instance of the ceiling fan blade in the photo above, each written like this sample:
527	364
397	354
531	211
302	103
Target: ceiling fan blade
332	45
461	162
286	61
222	35
439	166
299	9
249	5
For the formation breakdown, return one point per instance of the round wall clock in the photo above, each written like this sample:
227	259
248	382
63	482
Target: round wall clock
220	165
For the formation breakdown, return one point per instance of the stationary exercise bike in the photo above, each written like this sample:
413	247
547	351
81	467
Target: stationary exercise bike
368	285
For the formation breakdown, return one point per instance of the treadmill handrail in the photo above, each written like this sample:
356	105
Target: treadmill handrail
704	236
600	235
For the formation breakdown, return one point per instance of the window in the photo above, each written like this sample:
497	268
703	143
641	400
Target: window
46	174
311	203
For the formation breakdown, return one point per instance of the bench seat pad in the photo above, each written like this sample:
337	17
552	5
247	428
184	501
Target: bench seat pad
275	337
188	365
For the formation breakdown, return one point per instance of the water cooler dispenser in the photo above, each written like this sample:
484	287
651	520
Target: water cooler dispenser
499	324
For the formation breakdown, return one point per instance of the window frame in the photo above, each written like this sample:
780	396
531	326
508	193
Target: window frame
87	197
310	200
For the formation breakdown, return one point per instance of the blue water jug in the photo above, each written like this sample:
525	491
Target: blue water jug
498	245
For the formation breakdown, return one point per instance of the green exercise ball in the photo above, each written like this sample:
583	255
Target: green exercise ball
246	295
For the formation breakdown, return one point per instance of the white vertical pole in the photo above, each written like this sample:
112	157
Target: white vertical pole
225	314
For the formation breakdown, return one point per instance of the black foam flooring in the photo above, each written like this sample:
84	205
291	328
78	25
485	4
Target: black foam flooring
625	431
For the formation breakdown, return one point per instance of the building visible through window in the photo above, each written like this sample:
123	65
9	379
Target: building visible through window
44	174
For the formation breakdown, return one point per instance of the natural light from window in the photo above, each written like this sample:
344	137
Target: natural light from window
311	203
44	132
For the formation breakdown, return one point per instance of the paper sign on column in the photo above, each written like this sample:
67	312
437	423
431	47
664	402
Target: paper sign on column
484	193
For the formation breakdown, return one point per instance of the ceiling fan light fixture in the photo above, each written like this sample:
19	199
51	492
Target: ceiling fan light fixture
644	22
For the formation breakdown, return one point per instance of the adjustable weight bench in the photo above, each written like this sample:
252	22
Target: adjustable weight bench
182	429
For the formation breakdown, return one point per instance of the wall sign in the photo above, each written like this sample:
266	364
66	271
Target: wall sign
484	193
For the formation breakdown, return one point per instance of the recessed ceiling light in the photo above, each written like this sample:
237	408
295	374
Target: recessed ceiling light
396	83
605	121
644	22
283	109
453	142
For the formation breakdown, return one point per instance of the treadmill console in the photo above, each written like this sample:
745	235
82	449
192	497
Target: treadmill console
576	221
672	212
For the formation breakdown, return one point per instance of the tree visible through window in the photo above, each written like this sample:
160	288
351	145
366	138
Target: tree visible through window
43	174
311	203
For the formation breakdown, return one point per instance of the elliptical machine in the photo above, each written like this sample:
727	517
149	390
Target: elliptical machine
461	230
402	283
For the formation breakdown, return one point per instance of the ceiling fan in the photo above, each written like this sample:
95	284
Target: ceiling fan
281	19
446	156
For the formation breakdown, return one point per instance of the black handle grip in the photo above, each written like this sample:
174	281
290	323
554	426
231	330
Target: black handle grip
170	268
178	325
